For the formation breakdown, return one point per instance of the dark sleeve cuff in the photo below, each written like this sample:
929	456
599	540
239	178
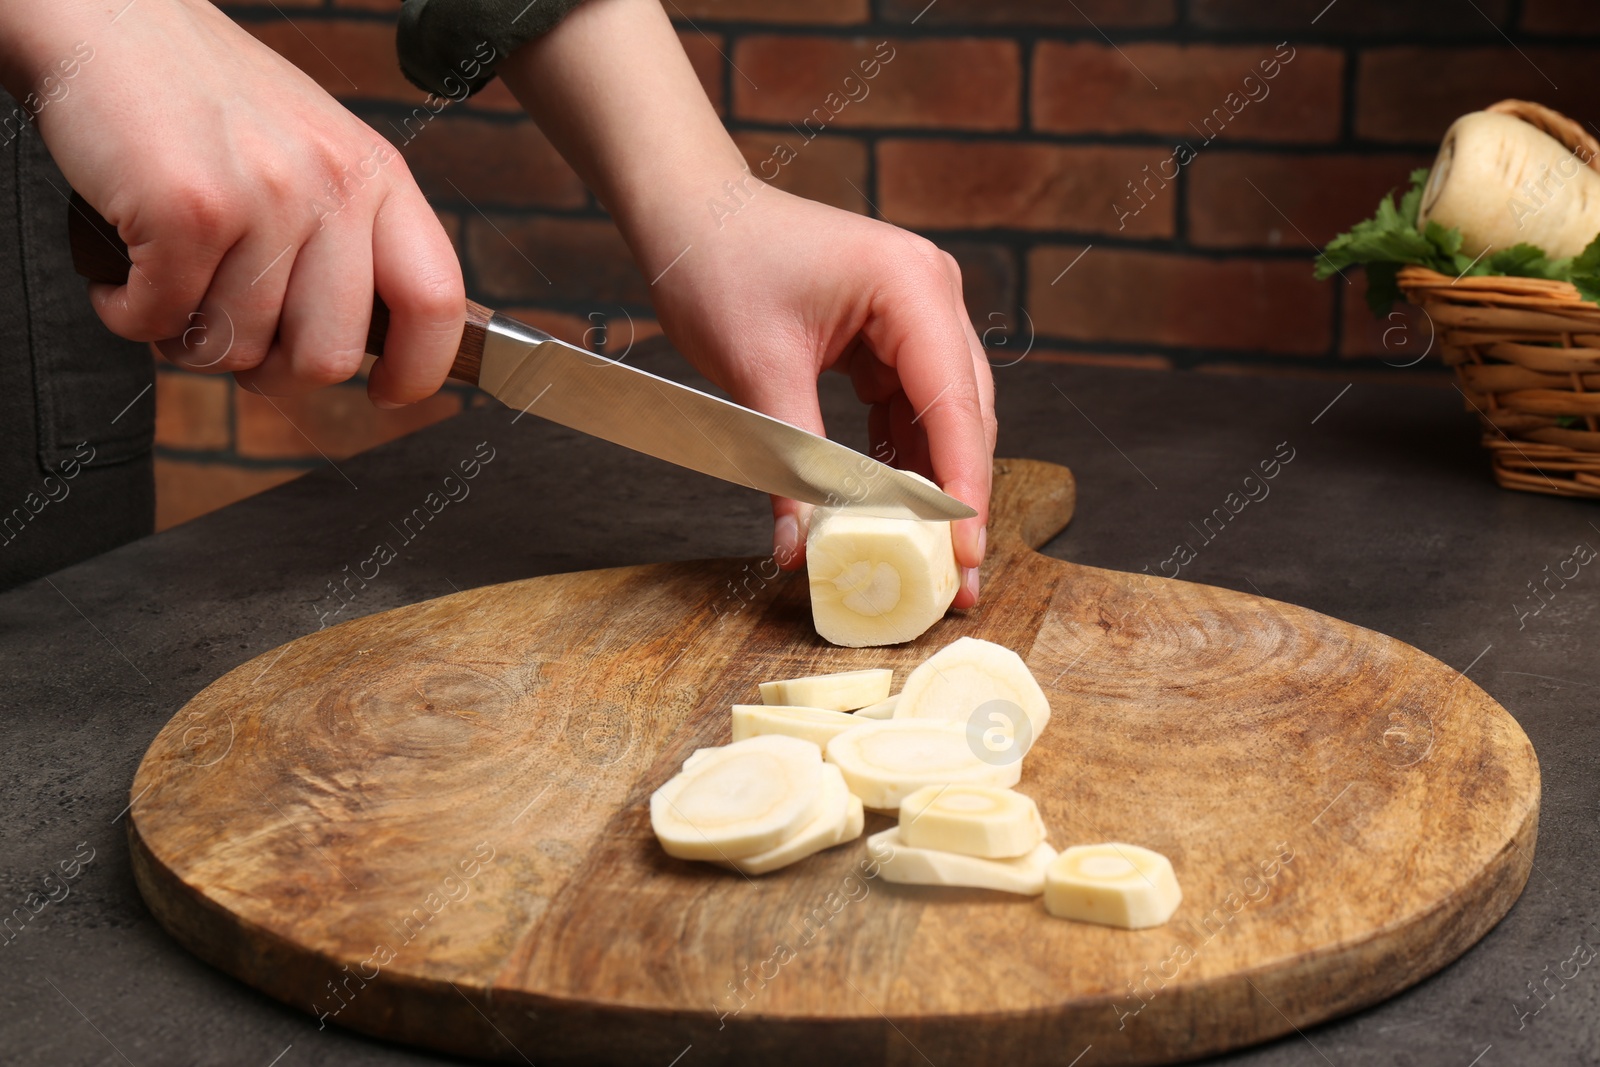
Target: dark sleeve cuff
451	47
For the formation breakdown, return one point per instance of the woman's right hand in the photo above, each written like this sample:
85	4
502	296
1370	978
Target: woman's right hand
260	215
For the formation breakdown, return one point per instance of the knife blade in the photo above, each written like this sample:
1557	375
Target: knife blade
533	372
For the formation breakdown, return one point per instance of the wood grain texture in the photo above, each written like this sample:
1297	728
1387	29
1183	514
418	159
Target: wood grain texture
1345	814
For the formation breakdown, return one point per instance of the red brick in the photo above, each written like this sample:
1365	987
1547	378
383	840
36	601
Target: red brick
1088	14
1158	298
1397	338
192	410
1413	94
352	60
945	185
1338	376
1094	359
336	422
1093	88
1245	199
547	260
1560	16
1368	18
829	170
461	157
186	490
955	83
832	12
705	52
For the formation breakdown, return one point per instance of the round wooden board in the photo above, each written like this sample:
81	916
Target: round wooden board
432	824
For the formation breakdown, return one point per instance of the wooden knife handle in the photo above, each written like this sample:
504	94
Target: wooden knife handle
99	255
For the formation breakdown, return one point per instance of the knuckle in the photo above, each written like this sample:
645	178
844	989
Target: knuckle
389	158
323	366
199	210
435	298
155	322
276	182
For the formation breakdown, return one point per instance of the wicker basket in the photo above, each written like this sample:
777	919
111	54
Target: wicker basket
1527	354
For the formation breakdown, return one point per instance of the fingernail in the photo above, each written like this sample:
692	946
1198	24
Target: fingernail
785	539
970	581
983	542
386	405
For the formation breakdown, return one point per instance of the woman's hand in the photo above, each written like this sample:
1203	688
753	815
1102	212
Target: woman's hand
259	214
788	288
764	299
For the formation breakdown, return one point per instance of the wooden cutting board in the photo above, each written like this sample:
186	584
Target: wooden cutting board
432	824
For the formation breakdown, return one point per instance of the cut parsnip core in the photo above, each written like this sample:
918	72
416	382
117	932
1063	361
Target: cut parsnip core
840	820
983	686
973	820
885	761
1113	884
878	581
908	865
739	800
831	692
816	725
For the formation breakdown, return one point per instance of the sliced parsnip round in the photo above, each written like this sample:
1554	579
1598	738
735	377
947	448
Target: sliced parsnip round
846	691
855	819
983	686
908	865
696	756
974	820
840	820
883	709
740	799
816	725
885	760
878	581
1113	884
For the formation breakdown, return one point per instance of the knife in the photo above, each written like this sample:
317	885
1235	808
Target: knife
528	370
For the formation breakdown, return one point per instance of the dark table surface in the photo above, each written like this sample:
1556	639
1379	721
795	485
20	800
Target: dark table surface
1386	517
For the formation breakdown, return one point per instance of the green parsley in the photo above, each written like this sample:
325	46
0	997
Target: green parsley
1390	240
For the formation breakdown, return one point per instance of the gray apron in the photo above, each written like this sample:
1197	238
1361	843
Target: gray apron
77	404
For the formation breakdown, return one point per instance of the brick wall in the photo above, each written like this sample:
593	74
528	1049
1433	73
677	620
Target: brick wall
1013	132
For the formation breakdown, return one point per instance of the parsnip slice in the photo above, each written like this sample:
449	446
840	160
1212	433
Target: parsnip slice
832	692
983	686
883	709
886	760
974	820
1113	884
841	820
925	866
816	725
740	799
878	581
